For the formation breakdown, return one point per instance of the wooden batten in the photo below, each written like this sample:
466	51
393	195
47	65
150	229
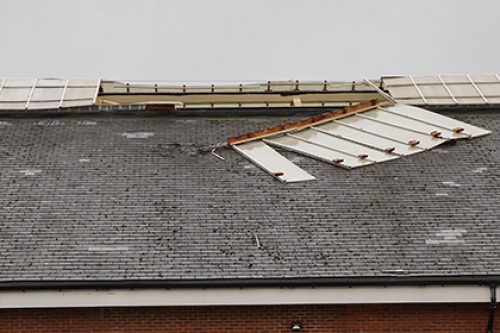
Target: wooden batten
314	120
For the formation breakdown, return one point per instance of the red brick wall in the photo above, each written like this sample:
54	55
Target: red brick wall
314	318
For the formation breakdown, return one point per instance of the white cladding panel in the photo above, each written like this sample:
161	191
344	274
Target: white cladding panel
439	120
31	94
392	132
354	149
445	89
368	139
271	161
404	121
375	135
329	155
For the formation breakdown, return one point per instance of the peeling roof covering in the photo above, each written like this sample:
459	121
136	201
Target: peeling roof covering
353	137
33	94
445	89
81	201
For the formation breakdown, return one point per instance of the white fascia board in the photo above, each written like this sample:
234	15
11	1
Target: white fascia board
245	296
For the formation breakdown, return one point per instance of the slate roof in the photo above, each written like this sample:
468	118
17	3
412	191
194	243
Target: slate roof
129	197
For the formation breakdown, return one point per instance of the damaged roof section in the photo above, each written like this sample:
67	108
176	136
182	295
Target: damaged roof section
361	135
61	93
445	90
34	94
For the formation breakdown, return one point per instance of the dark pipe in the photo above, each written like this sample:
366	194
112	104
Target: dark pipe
493	305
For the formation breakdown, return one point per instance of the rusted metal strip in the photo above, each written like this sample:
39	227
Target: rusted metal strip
314	120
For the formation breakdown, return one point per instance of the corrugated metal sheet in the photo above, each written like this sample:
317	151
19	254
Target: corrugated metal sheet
445	89
32	94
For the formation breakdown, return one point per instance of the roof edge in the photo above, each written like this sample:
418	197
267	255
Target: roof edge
252	282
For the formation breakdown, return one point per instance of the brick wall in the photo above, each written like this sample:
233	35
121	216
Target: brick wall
319	318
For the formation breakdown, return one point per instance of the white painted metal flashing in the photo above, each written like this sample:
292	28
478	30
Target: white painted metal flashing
245	296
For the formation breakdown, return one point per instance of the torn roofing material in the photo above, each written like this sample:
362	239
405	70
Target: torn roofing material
352	137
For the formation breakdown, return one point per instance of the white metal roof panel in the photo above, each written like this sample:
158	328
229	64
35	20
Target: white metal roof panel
445	89
271	161
392	132
354	149
404	121
354	139
323	153
439	120
30	94
369	139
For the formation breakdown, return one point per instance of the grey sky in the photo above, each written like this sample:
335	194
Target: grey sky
241	40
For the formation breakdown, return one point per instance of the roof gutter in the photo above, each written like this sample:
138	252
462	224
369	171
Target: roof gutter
492	280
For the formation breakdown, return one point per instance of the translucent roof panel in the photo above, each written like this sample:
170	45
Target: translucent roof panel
31	94
445	89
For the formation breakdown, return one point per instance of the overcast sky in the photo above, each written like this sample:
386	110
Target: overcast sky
242	40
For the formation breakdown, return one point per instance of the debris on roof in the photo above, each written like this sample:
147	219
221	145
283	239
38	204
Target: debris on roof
368	133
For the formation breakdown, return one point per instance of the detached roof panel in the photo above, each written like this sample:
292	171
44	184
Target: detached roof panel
326	154
403	120
440	120
272	162
343	137
368	139
392	132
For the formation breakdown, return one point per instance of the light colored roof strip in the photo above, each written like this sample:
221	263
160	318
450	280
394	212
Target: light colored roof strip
64	92
477	89
28	101
2	84
369	139
322	153
357	148
361	129
392	124
358	140
448	132
303	123
447	89
96	94
435	118
392	132
418	89
333	148
380	91
271	161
